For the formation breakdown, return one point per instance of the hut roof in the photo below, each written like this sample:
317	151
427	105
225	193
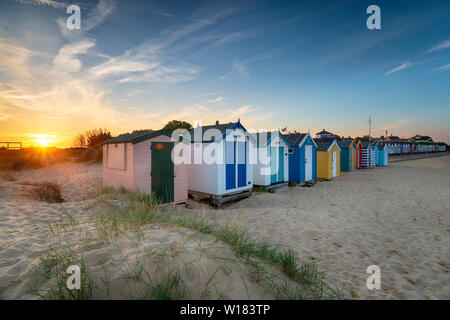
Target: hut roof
222	128
366	144
137	137
344	144
325	144
296	139
265	137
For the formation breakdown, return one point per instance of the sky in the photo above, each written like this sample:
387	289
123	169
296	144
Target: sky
304	65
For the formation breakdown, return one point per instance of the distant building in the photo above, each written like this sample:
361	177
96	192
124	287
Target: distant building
392	138
324	135
419	138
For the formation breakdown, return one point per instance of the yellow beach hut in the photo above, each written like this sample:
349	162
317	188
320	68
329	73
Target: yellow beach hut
328	159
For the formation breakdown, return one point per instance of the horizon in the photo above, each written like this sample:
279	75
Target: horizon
306	66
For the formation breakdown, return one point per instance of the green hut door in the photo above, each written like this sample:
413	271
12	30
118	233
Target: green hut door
162	173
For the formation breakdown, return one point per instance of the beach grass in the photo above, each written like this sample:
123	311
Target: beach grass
272	266
47	191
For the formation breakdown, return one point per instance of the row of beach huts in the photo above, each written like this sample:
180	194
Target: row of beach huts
149	161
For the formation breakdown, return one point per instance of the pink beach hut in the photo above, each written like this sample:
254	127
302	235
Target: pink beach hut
142	162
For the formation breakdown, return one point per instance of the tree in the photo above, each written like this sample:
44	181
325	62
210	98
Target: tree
91	138
176	124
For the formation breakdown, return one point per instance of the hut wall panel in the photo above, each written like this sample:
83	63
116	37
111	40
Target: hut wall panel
117	178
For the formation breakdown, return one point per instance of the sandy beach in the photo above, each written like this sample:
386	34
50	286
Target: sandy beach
396	217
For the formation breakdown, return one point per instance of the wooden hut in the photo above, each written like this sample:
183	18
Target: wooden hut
348	154
271	165
328	159
142	162
358	154
228	173
367	156
383	155
302	157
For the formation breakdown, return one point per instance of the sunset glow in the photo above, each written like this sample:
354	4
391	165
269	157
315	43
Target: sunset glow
44	140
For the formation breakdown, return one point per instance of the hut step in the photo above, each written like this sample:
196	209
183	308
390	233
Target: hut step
272	188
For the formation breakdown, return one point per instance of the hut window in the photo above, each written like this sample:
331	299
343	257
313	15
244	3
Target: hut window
290	151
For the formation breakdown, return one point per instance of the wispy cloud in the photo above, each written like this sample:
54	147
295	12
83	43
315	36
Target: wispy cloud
67	58
204	94
218	99
443	45
164	14
443	68
404	66
14	57
51	3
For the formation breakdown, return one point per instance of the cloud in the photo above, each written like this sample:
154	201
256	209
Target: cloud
443	45
443	68
66	60
204	94
14	57
50	3
404	66
218	99
165	14
97	15
118	66
135	92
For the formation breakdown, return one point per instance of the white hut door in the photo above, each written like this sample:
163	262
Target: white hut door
334	164
308	163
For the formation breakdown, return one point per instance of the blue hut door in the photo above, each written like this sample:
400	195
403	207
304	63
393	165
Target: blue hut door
308	162
242	163
230	164
280	164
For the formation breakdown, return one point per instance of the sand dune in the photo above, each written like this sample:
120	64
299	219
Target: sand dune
397	218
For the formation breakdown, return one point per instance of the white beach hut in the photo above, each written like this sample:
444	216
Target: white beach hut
271	159
221	166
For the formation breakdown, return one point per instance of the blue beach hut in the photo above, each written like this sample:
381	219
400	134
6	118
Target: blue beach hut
302	157
383	155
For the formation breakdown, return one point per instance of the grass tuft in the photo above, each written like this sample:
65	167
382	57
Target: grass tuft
47	191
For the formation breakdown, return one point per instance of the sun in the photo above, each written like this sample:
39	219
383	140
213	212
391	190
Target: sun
44	140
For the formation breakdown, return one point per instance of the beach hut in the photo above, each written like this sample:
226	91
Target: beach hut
358	154
221	166
375	153
383	155
272	160
302	157
367	156
328	159
348	154
142	162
